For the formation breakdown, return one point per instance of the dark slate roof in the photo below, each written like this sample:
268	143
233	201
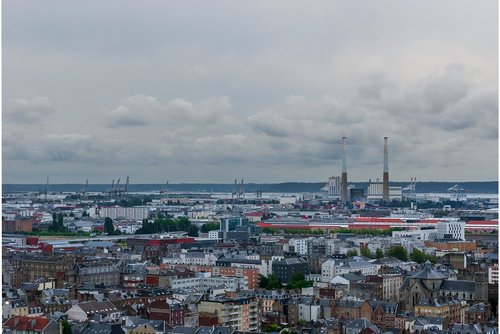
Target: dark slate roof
406	283
96	328
349	303
222	330
434	330
205	330
359	323
158	325
98	307
429	320
387	260
470	329
480	307
452	285
429	272
353	277
387	306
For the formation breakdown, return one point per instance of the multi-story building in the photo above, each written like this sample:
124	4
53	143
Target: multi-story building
477	313
366	268
204	284
384	313
309	309
46	265
242	314
286	268
391	283
14	307
32	325
99	271
299	245
451	309
193	258
83	311
352	309
171	310
493	274
328	270
451	229
133	213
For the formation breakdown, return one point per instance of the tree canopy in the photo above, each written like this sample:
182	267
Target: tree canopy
398	252
351	252
298	281
161	225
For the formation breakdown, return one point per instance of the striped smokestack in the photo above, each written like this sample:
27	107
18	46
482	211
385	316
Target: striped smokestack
385	186
343	181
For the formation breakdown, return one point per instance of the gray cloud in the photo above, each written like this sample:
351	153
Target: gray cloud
28	110
268	101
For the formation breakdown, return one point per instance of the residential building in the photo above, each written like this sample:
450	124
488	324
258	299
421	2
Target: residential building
240	313
83	311
32	325
171	310
286	268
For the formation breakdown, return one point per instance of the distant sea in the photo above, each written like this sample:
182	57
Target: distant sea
487	187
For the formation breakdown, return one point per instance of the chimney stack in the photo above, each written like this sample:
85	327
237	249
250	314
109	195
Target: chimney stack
385	187
343	181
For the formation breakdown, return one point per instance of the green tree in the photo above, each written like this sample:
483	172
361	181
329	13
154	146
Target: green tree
57	223
365	251
263	281
214	226
272	328
379	253
66	327
298	281
351	252
398	252
192	230
418	256
273	282
109	228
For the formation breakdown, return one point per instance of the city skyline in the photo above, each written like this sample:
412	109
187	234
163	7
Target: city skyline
260	91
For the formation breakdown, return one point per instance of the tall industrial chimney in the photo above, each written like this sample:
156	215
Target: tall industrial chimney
385	186
343	181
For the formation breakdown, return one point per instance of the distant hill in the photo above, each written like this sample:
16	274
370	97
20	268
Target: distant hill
487	187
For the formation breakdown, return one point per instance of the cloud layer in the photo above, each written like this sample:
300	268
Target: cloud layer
265	94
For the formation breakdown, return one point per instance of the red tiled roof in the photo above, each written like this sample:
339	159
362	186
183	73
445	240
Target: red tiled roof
378	219
482	222
27	323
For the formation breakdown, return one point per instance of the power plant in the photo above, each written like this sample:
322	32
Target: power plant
343	194
338	187
385	190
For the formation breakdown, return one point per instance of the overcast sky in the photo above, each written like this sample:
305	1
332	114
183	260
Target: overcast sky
210	91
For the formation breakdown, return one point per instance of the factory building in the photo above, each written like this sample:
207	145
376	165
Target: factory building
375	192
332	187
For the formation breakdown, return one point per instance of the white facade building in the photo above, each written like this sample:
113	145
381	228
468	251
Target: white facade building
493	274
328	270
454	228
374	192
299	245
195	258
309	310
366	268
209	283
133	213
332	186
429	234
